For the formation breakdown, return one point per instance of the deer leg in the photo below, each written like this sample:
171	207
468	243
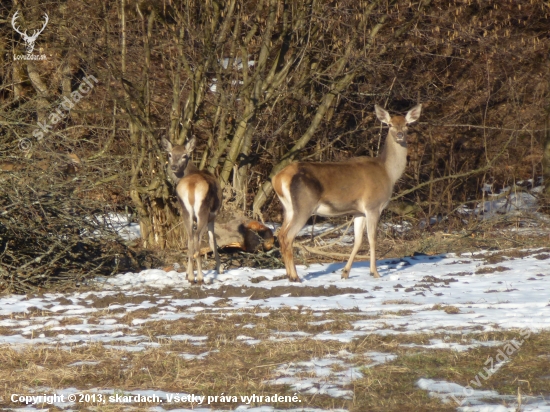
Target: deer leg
188	221
286	239
358	230
197	239
299	202
190	253
372	223
214	246
288	259
283	242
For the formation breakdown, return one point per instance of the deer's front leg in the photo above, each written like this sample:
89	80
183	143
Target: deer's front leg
214	246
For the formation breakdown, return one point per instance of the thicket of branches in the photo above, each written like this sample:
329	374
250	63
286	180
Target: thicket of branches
263	83
50	233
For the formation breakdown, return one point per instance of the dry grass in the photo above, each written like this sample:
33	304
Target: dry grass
399	302
237	368
451	310
234	367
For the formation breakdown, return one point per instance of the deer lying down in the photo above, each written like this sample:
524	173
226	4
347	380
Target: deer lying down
200	196
360	186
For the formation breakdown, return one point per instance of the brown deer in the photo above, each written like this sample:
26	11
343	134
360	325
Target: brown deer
200	196
360	186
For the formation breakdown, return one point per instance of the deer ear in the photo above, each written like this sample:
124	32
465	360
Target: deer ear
413	114
166	145
382	114
190	146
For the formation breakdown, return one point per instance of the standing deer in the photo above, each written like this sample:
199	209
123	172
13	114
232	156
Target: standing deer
360	186
200	196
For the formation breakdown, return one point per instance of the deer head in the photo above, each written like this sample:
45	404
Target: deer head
30	40
178	155
398	124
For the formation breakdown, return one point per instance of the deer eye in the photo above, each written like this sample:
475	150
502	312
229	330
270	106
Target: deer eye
170	155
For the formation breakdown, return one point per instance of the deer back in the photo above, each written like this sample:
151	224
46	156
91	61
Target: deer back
341	186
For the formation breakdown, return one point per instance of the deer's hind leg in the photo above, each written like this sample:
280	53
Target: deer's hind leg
188	221
298	210
201	226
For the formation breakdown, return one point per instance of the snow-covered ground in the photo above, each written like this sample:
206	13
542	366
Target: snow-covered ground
510	294
476	401
121	224
446	294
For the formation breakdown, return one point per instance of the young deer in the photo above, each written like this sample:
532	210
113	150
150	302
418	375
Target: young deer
200	196
360	186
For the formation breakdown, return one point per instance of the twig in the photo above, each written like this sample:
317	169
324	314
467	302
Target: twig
316	251
488	166
328	232
474	126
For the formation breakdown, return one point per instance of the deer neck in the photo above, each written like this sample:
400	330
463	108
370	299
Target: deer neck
191	168
182	172
394	158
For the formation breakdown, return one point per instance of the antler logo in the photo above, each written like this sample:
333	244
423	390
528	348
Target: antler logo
30	40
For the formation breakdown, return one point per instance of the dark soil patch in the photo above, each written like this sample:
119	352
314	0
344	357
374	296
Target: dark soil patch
118	299
433	279
138	314
512	254
258	279
459	274
451	310
262	293
64	301
459	261
428	281
34	311
495	259
8	331
483	271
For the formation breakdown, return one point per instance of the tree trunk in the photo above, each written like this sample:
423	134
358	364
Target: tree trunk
326	103
546	157
266	188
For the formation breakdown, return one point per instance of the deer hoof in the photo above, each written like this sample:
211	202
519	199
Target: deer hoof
345	274
375	274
